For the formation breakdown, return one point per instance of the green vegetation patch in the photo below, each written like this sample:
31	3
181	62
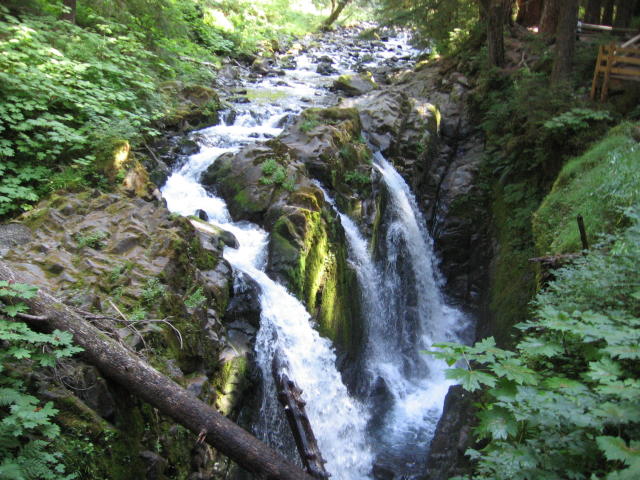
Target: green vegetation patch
599	185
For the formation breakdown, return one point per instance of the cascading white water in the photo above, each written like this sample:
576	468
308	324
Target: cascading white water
414	384
413	317
338	420
406	314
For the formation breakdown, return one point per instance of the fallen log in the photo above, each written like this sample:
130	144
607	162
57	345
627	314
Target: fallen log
127	369
290	396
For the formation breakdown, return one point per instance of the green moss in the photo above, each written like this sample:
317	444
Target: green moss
261	95
245	203
230	382
513	282
599	185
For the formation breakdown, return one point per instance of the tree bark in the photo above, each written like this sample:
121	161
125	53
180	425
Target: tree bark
624	12
125	368
70	14
565	42
529	12
335	14
495	33
550	17
607	13
593	12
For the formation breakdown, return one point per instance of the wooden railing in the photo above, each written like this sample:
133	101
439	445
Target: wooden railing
615	62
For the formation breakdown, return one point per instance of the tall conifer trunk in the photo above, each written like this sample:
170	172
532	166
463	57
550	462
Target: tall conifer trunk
624	12
70	13
607	14
565	41
593	12
550	17
529	12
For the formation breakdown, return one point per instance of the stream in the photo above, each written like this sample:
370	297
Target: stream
386	425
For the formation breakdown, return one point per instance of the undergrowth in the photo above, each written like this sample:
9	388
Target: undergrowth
27	429
598	185
563	404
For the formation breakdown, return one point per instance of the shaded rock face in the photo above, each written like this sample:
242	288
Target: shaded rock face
446	455
158	284
420	123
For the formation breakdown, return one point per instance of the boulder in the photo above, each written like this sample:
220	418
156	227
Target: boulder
325	68
355	85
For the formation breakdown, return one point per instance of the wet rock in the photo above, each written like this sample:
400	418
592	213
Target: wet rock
324	68
188	147
380	472
288	62
453	437
228	74
202	215
229	117
261	66
155	465
355	85
245	304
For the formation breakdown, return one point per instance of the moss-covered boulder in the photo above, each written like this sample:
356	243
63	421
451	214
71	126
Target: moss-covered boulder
255	180
355	85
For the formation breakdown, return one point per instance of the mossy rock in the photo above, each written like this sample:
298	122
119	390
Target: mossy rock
355	85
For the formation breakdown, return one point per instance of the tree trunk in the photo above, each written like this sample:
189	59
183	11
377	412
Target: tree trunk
593	12
495	33
70	13
624	12
125	368
335	14
607	13
550	16
565	41
529	12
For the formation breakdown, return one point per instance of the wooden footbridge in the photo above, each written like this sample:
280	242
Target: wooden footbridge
615	63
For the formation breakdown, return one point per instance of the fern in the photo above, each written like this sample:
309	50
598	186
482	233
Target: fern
27	428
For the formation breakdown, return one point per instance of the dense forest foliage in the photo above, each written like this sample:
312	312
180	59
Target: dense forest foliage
559	397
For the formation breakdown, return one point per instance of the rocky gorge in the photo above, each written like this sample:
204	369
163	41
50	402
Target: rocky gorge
170	288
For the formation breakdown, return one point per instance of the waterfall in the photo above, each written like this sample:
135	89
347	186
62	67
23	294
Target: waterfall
391	420
339	421
405	314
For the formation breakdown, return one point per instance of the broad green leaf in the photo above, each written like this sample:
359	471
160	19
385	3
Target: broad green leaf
625	352
513	369
617	413
572	387
604	370
497	423
539	347
471	379
615	448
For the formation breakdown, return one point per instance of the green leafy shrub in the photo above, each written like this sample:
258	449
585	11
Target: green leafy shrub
94	239
357	178
153	291
275	174
564	403
27	429
196	299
